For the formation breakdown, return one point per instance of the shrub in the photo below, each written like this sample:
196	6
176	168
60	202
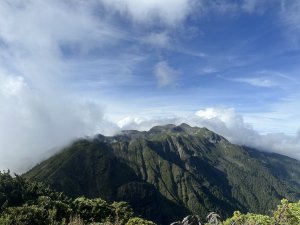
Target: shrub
139	221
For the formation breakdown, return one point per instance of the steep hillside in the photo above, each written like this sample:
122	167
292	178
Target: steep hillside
170	171
24	202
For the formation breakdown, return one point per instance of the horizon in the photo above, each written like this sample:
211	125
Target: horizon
70	69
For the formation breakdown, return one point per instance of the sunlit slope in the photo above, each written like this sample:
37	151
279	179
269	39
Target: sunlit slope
170	170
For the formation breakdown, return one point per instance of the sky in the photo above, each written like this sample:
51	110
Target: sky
75	68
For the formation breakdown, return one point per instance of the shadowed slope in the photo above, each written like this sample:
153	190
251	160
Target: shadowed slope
168	171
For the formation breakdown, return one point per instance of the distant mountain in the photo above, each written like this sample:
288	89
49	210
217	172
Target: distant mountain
171	171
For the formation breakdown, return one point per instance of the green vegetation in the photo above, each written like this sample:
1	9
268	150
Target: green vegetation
172	171
285	214
178	170
33	203
139	221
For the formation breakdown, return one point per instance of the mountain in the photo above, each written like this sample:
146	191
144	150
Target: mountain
171	171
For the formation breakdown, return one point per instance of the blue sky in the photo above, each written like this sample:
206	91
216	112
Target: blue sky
73	68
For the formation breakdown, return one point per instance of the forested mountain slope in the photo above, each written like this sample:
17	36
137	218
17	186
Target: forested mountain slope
170	171
24	202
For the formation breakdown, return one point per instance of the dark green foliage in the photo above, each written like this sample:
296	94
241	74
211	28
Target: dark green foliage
285	214
94	209
139	221
17	191
28	215
287	169
91	210
122	212
33	203
10	190
171	171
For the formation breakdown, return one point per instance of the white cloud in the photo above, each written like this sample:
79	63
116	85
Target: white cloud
161	39
258	82
290	13
233	7
11	86
46	25
232	126
167	12
144	124
32	123
290	19
35	35
165	74
226	122
252	6
127	121
223	6
209	70
38	109
173	13
226	116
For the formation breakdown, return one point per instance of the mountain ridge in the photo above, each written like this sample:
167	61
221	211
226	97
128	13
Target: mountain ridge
174	170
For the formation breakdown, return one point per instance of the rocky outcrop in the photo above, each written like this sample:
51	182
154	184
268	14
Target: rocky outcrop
189	220
212	219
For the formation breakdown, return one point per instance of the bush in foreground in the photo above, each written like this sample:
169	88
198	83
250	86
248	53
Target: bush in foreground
33	203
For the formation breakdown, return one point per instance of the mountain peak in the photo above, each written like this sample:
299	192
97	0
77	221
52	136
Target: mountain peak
162	128
172	170
184	125
173	128
182	128
161	131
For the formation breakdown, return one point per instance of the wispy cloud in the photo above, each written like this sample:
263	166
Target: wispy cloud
290	14
236	7
168	12
257	6
165	74
258	82
161	40
209	70
268	79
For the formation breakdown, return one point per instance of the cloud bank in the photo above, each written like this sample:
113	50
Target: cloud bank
39	111
34	124
226	122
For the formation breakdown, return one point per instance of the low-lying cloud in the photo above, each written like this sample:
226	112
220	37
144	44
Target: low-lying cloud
226	122
33	124
38	110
